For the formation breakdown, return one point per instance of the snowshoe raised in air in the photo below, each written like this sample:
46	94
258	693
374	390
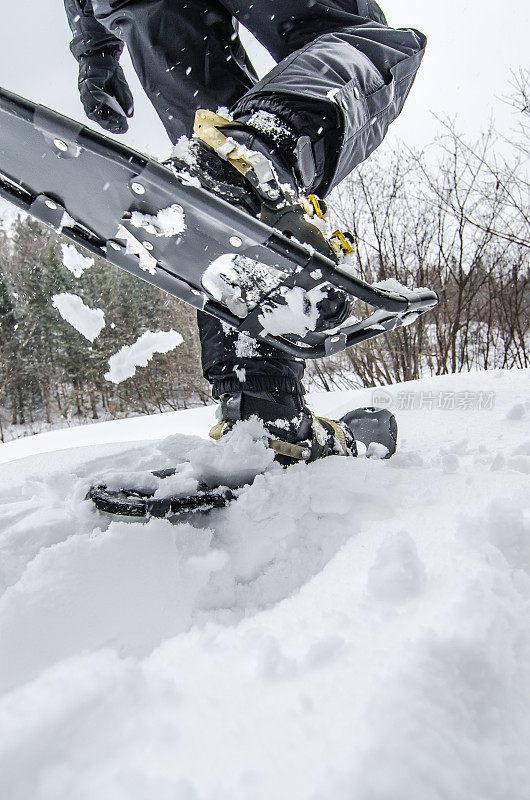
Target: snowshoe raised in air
162	226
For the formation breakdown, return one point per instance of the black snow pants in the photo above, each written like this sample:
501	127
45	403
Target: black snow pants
342	77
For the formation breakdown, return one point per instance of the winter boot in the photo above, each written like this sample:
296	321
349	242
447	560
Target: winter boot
295	433
254	161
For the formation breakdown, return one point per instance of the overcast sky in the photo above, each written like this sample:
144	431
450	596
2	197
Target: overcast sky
473	45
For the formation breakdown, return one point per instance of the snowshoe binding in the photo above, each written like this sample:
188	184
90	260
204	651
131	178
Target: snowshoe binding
295	433
260	165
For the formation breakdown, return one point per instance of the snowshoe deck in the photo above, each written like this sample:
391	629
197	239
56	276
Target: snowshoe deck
95	191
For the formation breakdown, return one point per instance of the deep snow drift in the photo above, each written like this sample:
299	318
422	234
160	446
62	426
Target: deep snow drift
347	630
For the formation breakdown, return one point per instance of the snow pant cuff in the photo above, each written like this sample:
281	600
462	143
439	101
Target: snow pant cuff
256	375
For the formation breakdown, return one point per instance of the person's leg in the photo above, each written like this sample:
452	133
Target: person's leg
241	368
342	79
343	75
187	55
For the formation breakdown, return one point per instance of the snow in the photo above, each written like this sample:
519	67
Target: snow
75	261
245	347
345	629
167	222
122	365
240	282
241	373
235	460
183	151
270	124
87	321
393	285
298	315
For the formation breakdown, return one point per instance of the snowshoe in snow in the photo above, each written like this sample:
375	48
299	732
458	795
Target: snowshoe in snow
305	439
164	227
318	437
131	502
296	434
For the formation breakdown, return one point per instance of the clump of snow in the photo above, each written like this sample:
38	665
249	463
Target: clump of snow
66	221
240	282
397	573
224	112
241	373
75	261
393	285
146	261
270	124
167	222
245	347
182	484
376	450
87	321
188	179
299	314
122	365
183	150
237	458
142	480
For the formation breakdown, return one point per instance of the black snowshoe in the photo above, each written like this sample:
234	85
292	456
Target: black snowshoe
142	216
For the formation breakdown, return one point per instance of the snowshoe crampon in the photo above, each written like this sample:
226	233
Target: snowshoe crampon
162	227
136	503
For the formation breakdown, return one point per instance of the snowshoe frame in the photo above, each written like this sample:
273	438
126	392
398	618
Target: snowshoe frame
85	185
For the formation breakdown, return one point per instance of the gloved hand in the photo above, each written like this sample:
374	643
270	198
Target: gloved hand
104	92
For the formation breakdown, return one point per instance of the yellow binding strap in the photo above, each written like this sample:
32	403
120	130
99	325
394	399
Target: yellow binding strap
339	433
340	243
217	431
206	128
299	452
312	206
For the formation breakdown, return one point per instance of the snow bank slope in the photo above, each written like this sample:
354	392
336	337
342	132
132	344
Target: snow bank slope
351	629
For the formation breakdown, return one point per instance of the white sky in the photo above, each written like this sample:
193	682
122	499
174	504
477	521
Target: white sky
473	45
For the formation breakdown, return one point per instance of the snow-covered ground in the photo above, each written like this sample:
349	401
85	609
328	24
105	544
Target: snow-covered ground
347	630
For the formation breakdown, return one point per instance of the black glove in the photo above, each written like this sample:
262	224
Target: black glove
104	92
